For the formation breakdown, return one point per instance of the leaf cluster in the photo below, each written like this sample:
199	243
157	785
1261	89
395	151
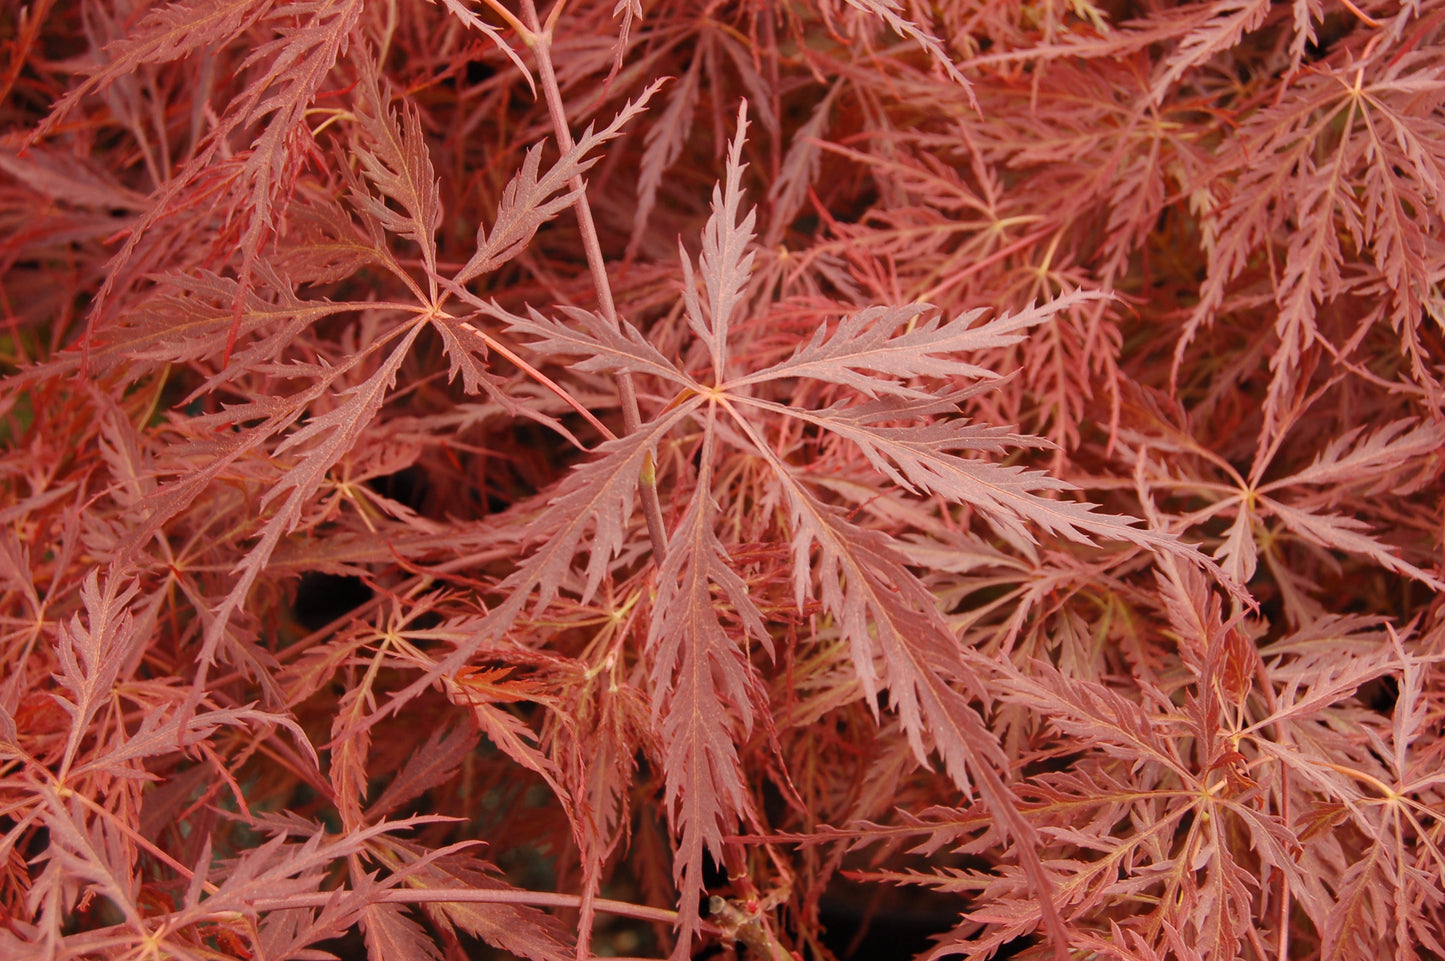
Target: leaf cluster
482	480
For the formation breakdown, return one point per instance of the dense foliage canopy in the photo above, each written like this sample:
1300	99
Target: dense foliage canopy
687	477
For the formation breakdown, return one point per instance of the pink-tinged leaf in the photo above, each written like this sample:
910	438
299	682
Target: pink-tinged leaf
789	190
262	877
64	178
395	158
1376	459
531	198
726	262
1359	919
524	931
350	751
705	695
434	762
163	732
596	497
662	146
391	934
191	320
465	355
876	350
1089	711
921	458
83	845
883	610
467	348
169	33
589	336
480	689
323	441
459	9
1340	533
1238	554
92	653
888	12
1224	22
1311	272
322	244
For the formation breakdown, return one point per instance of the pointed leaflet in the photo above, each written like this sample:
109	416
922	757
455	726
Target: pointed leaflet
86	847
189	320
324	440
169	33
1227	21
522	930
530	198
1343	533
163	732
661	147
91	655
1376	458
920	458
789	190
459	10
393	936
431	764
701	679
887	11
481	689
591	337
597	496
881	607
311	37
873	350
726	263
394	157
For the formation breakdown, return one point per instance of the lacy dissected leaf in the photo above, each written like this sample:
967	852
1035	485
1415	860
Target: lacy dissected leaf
601	347
481	690
883	610
800	169
531	198
888	12
262	877
188	320
1396	457
321	442
705	695
596	497
431	764
395	158
93	652
879	350
460	10
312	36
1296	165
664	143
920	457
167	33
390	933
1217	27
726	261
1090	711
85	846
1343	533
522	930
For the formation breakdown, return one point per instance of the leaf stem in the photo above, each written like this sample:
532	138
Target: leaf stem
538	899
631	415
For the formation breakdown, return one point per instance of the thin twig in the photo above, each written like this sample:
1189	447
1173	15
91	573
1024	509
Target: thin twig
631	415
